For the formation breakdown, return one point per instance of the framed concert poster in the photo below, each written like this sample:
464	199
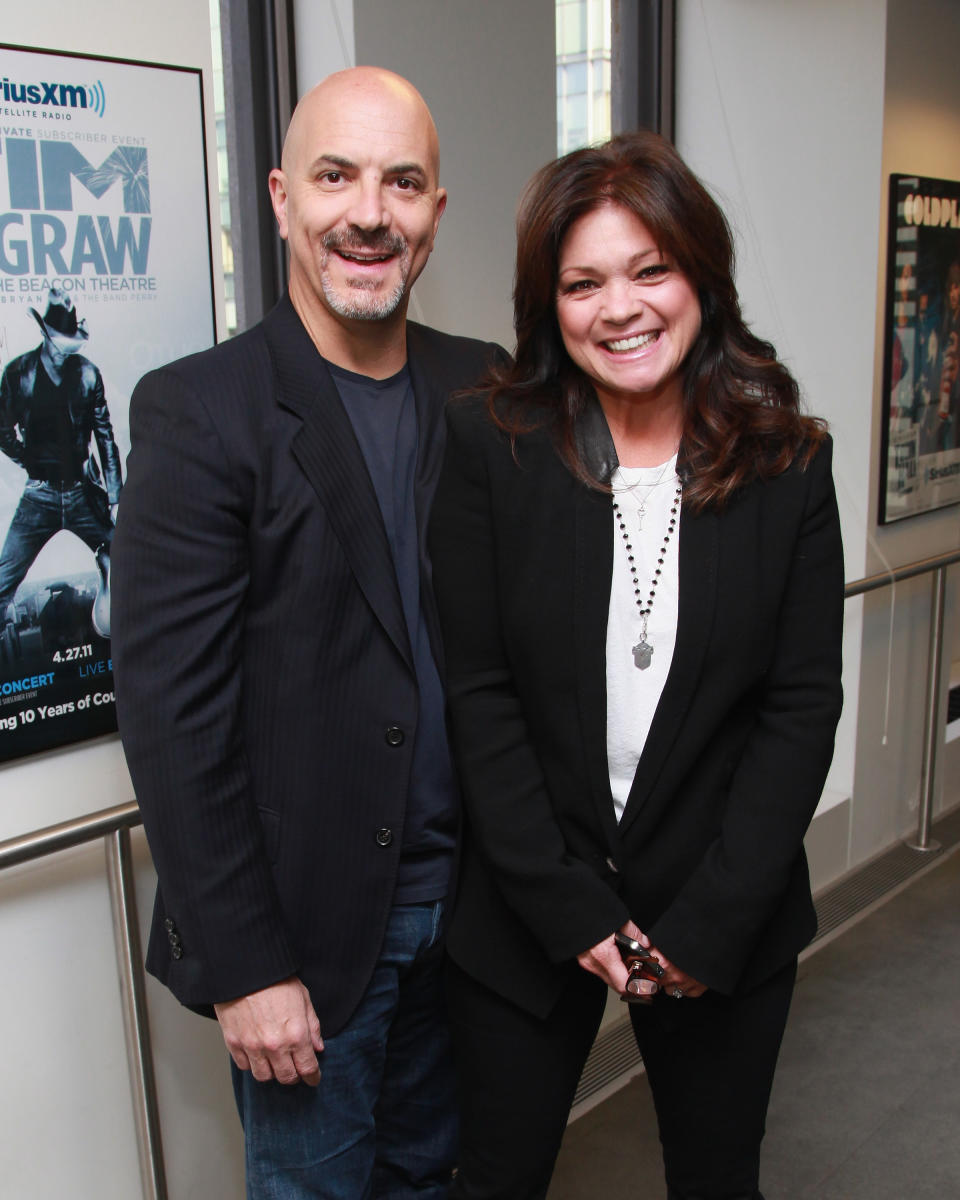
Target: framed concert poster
920	464
105	272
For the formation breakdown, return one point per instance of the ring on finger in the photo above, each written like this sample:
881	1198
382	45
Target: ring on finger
677	993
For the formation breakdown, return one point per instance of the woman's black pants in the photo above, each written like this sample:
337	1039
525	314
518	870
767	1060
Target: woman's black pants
709	1062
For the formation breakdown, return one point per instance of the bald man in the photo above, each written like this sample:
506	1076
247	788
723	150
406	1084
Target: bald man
277	665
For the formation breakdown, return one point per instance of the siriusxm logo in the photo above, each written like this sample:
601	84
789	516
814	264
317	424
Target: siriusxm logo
56	95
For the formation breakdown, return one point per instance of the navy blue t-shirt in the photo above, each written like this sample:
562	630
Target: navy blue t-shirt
384	418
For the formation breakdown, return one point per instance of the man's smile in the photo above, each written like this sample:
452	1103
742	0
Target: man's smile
358	257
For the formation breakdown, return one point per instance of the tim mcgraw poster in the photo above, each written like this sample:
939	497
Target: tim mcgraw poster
105	273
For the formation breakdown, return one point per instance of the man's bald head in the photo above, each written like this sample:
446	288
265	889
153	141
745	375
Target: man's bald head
357	200
367	93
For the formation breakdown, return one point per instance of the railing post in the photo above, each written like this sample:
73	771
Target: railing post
143	1088
932	732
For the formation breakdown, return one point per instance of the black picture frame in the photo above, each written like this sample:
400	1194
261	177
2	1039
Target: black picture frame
104	218
920	442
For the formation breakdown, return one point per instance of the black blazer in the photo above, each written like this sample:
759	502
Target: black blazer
265	686
708	857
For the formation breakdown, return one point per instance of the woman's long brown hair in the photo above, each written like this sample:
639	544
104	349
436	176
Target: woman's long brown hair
742	414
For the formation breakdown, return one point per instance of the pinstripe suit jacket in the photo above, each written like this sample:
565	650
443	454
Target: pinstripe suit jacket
266	692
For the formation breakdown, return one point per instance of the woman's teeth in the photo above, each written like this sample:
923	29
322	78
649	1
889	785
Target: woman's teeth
633	343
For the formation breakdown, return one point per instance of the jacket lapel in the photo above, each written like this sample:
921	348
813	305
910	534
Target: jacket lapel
698	556
330	457
431	389
430	393
594	569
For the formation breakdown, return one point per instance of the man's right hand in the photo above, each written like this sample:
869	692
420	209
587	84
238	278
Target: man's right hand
274	1033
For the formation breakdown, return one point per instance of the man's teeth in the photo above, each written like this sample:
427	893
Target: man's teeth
634	343
364	258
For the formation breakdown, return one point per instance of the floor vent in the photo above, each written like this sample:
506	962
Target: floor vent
871	883
614	1059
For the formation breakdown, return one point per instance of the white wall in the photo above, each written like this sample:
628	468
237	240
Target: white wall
488	73
795	114
64	1093
324	36
921	134
780	110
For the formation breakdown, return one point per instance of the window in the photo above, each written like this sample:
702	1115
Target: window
254	94
223	171
583	73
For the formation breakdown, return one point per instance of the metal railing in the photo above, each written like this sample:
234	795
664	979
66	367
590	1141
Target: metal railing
937	565
114	825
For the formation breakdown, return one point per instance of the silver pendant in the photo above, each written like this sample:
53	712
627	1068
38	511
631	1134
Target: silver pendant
642	654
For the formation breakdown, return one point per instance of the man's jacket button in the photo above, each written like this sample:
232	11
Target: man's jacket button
384	837
394	735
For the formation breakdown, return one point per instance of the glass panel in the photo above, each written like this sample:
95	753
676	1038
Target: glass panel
574	78
583	72
571	26
222	167
600	21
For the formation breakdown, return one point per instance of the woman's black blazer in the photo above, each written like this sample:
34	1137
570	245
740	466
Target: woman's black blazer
708	857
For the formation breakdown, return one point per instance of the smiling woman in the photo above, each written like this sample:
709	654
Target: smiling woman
628	319
741	414
637	558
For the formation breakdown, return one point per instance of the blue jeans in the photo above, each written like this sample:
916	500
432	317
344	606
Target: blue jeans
382	1122
45	509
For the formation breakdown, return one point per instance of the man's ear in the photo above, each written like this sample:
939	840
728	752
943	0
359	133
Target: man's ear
278	198
441	205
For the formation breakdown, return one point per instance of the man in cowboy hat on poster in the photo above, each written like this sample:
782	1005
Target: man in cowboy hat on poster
51	404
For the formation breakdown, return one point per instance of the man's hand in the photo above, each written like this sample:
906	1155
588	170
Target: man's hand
274	1033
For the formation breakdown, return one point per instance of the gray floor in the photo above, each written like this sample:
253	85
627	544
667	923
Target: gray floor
866	1105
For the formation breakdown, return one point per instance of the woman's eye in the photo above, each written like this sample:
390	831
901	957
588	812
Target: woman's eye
654	272
578	285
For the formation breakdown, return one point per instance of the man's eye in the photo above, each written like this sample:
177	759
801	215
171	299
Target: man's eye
331	176
406	185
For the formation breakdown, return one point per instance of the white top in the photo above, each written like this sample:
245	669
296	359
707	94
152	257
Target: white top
633	694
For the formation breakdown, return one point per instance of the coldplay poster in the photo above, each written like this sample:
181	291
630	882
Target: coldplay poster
105	273
920	465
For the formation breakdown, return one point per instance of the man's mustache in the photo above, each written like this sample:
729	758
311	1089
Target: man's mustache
377	241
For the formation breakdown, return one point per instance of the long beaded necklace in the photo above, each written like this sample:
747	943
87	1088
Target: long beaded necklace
643	651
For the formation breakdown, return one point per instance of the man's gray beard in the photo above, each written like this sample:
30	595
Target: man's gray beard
370	307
